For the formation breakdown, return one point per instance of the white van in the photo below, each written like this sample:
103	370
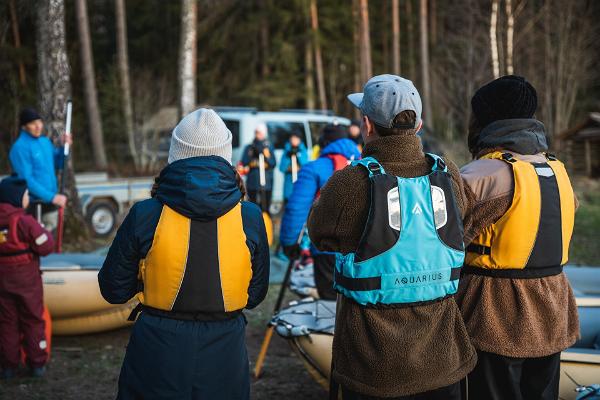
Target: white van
307	123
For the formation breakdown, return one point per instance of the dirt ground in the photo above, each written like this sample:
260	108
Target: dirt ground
87	367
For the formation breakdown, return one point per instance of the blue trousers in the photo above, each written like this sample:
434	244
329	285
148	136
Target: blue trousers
174	359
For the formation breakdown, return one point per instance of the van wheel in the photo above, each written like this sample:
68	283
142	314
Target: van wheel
102	217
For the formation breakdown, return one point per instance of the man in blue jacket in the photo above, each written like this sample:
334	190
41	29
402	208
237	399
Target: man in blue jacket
293	148
336	152
196	256
251	161
34	158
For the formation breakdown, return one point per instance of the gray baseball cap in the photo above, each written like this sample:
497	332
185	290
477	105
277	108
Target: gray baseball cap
385	96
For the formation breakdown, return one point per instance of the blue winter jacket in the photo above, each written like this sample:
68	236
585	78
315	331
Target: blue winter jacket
286	163
35	160
250	156
200	188
312	177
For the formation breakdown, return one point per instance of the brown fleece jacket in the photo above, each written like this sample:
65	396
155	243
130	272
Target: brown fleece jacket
519	318
391	352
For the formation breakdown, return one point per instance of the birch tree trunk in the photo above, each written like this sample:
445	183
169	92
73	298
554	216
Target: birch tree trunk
365	42
187	57
314	18
494	39
396	36
54	89
309	75
510	28
425	63
123	66
89	86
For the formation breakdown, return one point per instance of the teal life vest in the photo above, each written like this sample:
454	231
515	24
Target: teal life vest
411	250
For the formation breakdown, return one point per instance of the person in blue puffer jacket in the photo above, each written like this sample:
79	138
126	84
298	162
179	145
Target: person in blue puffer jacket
294	147
196	256
337	151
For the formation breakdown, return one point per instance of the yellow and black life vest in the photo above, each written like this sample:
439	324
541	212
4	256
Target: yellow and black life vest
196	267
532	238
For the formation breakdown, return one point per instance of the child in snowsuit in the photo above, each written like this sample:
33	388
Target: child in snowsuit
22	241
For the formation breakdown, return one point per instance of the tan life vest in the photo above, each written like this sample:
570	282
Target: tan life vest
532	238
197	267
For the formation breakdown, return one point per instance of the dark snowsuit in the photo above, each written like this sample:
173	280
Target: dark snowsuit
197	354
21	292
250	159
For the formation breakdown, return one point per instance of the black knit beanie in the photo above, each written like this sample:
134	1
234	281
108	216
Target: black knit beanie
12	190
508	97
331	133
27	115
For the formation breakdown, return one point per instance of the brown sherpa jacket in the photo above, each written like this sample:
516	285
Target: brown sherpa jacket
519	318
389	352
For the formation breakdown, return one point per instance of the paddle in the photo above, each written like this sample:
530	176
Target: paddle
63	177
263	196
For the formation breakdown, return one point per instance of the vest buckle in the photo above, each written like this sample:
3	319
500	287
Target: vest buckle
374	168
508	157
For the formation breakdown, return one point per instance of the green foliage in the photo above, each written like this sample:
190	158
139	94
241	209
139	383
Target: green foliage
584	246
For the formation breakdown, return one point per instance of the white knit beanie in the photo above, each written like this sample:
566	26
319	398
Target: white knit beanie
200	133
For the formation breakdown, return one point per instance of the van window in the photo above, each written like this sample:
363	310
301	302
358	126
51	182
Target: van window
234	127
280	132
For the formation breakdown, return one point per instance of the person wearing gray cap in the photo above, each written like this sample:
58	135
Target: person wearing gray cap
196	256
395	220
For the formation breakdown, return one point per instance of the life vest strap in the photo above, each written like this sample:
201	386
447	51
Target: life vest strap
523	273
479	249
191	316
16	253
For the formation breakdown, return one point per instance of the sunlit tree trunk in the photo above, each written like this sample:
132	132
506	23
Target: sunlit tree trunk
396	36
365	42
494	39
89	86
411	40
314	18
309	75
187	56
426	90
123	66
510	27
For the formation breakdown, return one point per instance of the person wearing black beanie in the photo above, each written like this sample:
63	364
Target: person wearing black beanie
34	158
516	301
13	191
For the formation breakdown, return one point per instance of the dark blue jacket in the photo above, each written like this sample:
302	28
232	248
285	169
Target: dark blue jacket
35	160
250	159
286	164
312	177
200	188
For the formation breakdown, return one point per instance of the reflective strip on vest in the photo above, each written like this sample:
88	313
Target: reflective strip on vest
197	266
411	250
534	234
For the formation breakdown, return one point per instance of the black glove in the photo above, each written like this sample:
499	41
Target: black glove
292	251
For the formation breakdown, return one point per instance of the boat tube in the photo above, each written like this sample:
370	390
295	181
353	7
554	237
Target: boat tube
309	324
73	297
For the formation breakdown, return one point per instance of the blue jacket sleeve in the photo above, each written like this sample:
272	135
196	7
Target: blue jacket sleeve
303	155
256	234
21	164
298	206
59	158
118	277
285	160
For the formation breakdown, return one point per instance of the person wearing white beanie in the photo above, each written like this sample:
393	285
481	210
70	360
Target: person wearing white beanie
200	133
196	255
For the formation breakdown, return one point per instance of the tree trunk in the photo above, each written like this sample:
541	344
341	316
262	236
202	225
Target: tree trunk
433	22
425	63
54	89
187	57
411	40
510	28
494	39
89	86
314	18
264	39
396	36
123	66
309	75
385	41
17	38
365	42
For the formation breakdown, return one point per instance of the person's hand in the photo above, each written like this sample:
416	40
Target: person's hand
64	139
292	252
59	200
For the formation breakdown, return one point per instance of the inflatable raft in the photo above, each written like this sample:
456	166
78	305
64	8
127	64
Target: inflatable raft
309	324
73	297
